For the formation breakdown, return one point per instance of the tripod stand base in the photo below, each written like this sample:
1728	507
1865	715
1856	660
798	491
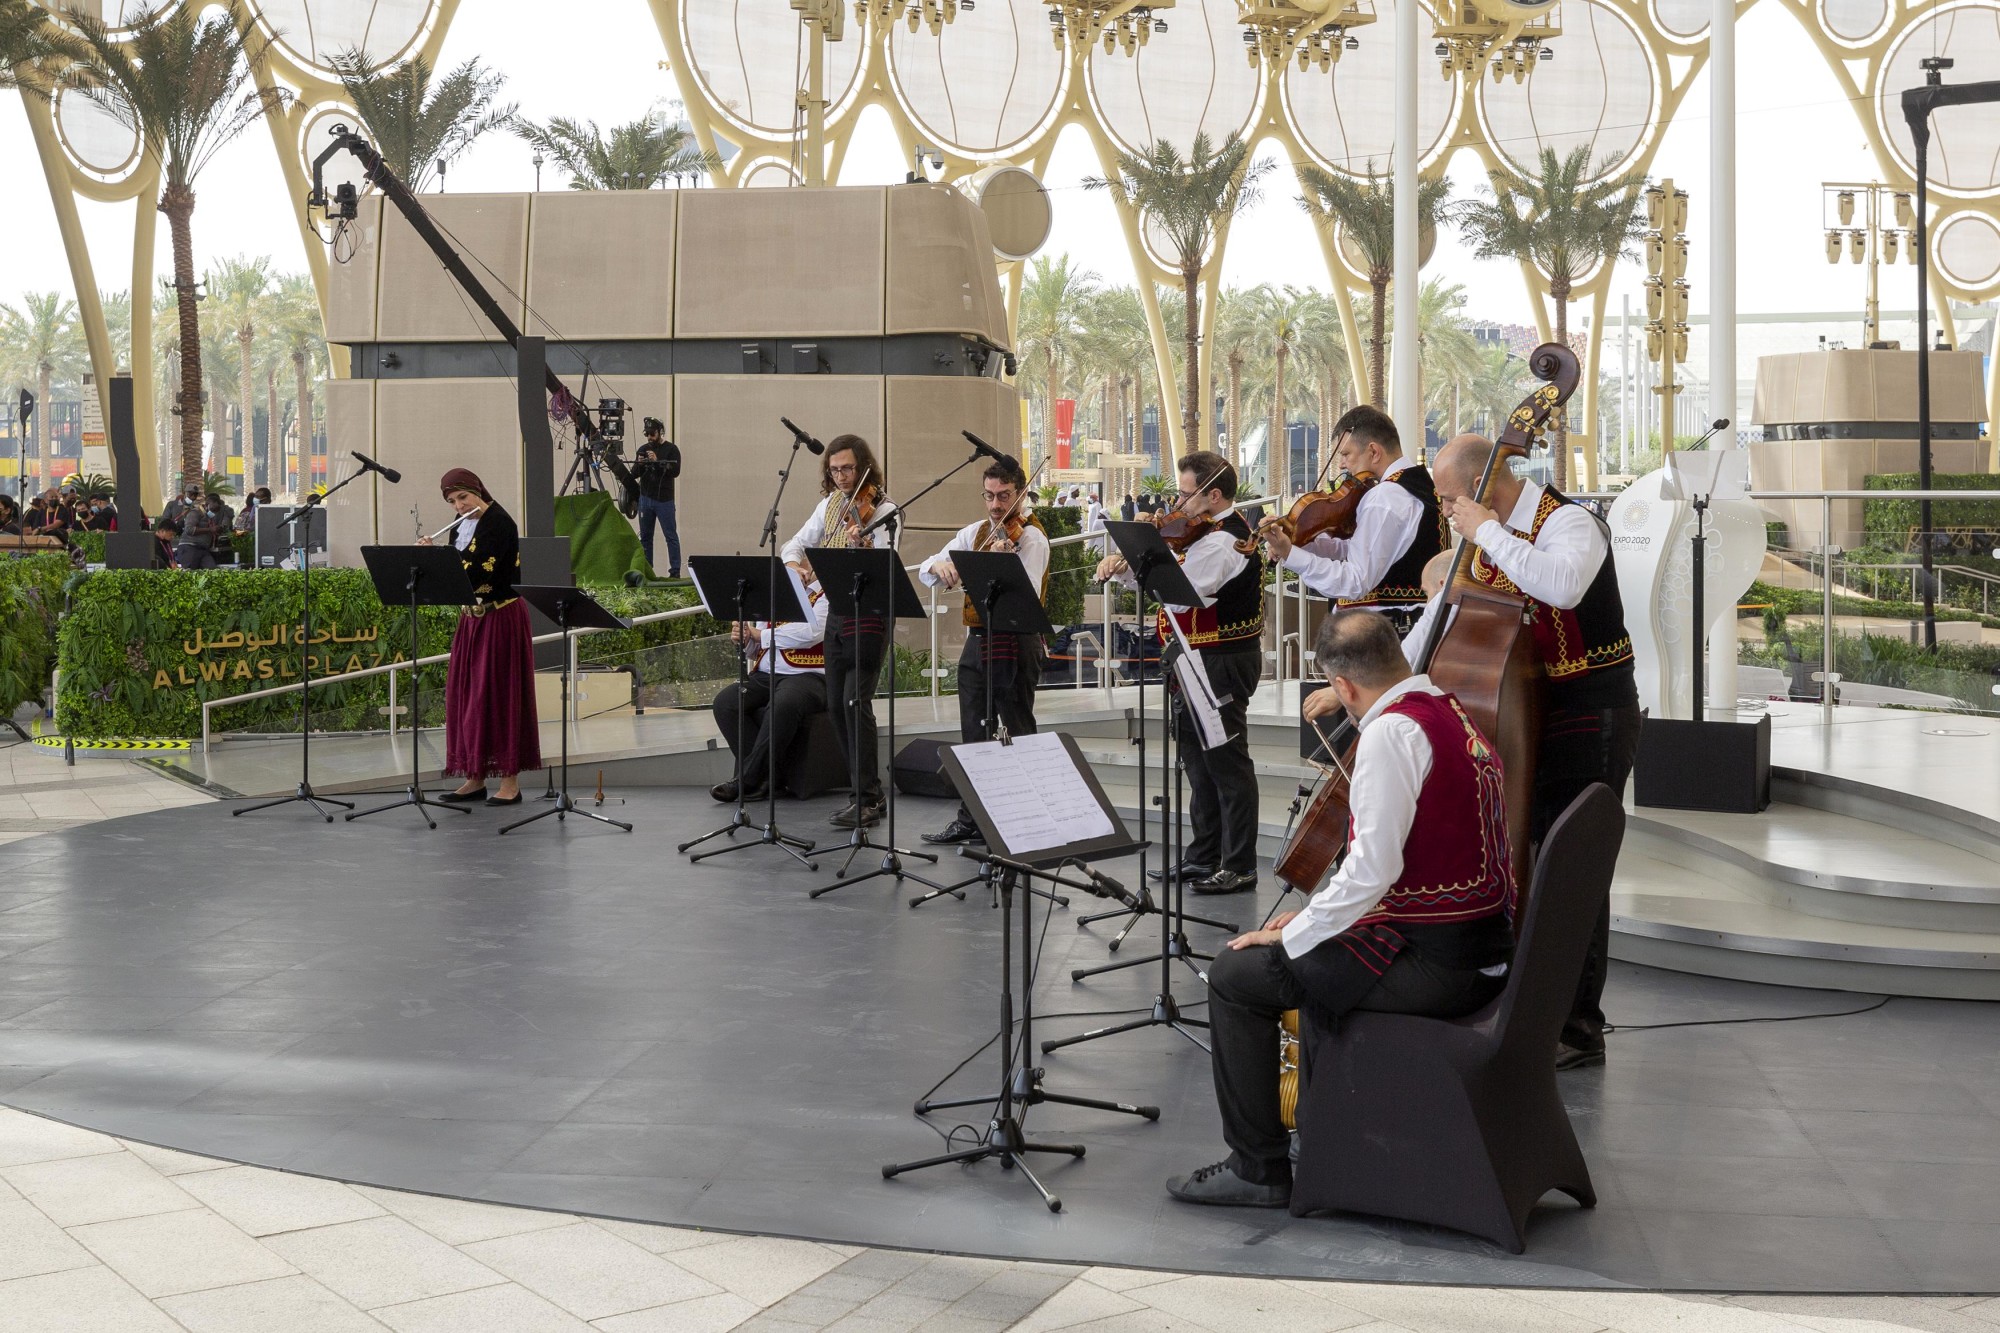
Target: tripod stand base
1166	1013
768	835
565	805
892	864
1004	1140
306	794
413	797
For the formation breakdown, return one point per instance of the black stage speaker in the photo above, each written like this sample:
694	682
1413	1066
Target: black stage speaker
1688	765
918	770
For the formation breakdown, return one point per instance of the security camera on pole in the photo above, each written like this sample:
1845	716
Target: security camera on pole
1666	295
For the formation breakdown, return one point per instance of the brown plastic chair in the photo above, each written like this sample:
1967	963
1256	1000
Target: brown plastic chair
1457	1122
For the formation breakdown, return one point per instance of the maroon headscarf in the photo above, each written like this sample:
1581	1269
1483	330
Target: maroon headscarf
463	479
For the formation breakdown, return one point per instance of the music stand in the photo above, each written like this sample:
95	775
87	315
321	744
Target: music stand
997	583
571	609
432	576
1051	769
868	584
744	588
1161	578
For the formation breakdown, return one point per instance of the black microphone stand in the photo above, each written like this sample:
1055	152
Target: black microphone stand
298	521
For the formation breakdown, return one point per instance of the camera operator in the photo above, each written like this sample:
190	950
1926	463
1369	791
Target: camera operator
658	465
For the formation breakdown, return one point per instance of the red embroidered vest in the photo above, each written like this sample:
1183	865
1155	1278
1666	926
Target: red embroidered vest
1234	620
812	657
1585	638
1456	865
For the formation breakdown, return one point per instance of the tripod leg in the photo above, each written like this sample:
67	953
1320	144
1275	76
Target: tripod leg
1095	1033
1081	974
1055	1204
979	1154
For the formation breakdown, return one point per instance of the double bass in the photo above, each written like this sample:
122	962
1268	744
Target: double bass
1484	653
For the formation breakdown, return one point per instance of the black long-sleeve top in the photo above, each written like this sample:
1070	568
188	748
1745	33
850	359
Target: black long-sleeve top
493	559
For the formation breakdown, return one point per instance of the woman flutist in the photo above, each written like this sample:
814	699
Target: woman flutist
489	696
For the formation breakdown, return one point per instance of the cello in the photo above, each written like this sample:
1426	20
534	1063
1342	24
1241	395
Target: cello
1484	654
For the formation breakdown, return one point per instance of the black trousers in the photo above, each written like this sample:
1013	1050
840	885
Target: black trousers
770	709
850	693
1016	671
1249	988
1222	783
1582	745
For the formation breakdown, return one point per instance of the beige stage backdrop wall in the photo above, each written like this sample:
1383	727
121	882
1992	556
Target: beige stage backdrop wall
632	277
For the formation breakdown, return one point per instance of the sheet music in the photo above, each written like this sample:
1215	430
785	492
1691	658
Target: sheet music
1033	792
1197	692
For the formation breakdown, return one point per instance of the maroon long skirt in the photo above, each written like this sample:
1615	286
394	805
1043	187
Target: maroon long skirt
489	696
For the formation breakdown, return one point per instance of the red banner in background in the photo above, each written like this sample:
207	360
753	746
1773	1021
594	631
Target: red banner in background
1065	431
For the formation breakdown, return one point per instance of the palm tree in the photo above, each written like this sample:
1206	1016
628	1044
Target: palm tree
1282	332
418	127
638	155
1565	224
43	338
24	26
1236	336
117	308
1187	199
1322	346
1448	354
1365	210
177	75
302	335
1050	330
236	291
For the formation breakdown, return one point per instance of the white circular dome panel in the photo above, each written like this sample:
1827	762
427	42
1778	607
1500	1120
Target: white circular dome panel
1191	78
315	31
1684	18
1854	20
1965	140
985	82
1967	250
102	142
1342	115
768	173
1596	93
749	58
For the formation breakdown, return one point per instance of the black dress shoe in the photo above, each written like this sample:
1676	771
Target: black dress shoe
472	797
958	830
1188	870
1577	1057
727	792
1221	1186
861	814
515	799
1223	881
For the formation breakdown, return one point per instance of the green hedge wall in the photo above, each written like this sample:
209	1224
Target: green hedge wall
127	669
1889	521
1066	591
30	601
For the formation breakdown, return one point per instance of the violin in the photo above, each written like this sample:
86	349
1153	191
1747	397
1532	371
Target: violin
858	508
1328	513
1178	530
1013	524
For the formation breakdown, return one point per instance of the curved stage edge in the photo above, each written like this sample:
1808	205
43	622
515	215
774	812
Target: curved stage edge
576	1019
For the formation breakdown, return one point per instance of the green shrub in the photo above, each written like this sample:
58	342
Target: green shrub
30	602
1889	521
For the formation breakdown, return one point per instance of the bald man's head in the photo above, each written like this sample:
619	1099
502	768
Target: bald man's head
1460	463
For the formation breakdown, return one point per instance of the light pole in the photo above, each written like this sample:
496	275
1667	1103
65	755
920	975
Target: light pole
1874	242
538	159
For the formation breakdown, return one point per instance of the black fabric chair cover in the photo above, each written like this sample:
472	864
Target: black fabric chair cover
1458	1122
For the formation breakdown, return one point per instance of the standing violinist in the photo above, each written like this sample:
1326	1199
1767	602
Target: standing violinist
1228	634
1540	544
1397	527
852	483
1014	660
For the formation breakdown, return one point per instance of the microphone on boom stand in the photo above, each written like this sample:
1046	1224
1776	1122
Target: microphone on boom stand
983	447
389	474
811	444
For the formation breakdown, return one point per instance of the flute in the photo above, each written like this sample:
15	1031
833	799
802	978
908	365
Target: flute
454	523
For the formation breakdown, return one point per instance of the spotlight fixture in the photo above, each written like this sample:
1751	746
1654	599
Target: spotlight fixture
1354	43
1833	247
1905	213
1545	53
1442	50
1857	244
1910	247
1845	202
1889	240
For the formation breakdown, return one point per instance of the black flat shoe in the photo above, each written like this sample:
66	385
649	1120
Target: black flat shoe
959	830
1188	870
861	814
1218	1185
464	798
1577	1057
1223	881
515	799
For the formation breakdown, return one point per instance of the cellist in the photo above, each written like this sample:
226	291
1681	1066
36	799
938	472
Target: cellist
1397	528
1013	660
1555	553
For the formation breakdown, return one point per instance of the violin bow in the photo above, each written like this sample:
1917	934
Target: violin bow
1027	489
847	505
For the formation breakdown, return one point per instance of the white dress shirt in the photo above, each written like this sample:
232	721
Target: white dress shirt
1208	564
1391	762
790	636
1384	526
814	532
1556	568
1033	550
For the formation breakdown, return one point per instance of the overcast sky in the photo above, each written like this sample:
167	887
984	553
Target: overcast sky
1795	130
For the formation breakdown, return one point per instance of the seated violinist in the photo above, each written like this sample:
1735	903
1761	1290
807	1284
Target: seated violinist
1417	919
786	686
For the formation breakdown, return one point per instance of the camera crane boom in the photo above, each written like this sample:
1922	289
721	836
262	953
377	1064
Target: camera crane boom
344	206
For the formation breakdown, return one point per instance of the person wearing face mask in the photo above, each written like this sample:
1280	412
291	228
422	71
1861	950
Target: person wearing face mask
489	695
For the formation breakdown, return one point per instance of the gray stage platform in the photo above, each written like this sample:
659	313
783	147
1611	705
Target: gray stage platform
574	1018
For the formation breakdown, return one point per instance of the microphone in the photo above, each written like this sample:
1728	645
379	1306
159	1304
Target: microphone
1111	888
812	445
1719	424
389	474
983	447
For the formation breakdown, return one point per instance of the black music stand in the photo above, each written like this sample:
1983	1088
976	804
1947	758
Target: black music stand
997	583
432	576
1160	578
867	582
1020	1082
744	588
571	609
